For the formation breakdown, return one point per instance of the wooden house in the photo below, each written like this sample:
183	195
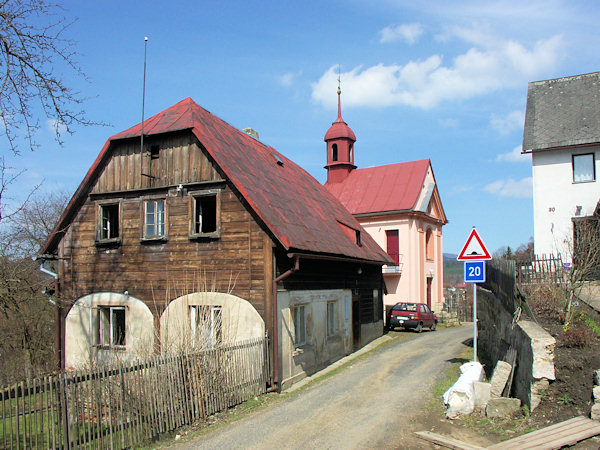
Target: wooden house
198	229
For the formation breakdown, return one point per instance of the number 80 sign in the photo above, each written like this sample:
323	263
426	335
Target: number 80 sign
474	271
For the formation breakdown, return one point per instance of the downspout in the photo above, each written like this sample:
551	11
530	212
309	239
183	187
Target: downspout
283	276
59	342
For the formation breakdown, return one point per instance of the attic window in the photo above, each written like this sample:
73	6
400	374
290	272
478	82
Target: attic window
358	240
205	212
154	152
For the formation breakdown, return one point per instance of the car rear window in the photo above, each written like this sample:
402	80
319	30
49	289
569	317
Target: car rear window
405	307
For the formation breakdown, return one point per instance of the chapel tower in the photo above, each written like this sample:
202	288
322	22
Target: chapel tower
340	141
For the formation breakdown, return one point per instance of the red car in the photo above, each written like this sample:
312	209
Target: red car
411	315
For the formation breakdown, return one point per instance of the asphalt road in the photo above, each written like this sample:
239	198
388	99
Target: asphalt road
370	404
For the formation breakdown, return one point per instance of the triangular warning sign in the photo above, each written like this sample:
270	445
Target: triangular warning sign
474	249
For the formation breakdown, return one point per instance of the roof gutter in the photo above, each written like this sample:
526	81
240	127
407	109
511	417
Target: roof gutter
281	277
336	258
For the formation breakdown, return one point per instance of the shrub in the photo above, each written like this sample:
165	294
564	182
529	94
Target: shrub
578	336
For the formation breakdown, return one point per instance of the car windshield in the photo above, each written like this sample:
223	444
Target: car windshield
405	307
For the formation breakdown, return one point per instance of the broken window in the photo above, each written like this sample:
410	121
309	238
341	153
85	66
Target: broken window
154	219
299	319
111	330
205	210
206	324
108	227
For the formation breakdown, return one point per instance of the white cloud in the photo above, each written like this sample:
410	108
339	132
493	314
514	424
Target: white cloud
55	126
409	33
513	156
287	79
511	122
426	83
511	188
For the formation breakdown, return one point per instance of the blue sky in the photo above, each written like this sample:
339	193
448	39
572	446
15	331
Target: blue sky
440	80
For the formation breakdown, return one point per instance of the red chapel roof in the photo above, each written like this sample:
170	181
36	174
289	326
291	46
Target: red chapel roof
300	213
393	187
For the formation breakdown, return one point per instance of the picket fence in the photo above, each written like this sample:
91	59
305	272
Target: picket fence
127	404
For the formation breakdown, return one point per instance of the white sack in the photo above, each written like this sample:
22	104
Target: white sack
459	398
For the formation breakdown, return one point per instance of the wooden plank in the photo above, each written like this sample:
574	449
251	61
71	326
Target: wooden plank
446	441
554	436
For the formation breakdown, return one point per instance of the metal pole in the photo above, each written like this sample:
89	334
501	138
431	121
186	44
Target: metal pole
474	322
143	96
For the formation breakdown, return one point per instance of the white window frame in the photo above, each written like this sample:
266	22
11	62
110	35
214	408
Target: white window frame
580	173
331	319
157	217
212	315
299	321
106	327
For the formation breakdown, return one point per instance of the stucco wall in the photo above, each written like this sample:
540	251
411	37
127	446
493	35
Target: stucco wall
319	350
411	283
81	326
556	197
240	321
534	346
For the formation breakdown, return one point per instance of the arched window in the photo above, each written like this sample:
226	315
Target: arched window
429	244
334	152
350	155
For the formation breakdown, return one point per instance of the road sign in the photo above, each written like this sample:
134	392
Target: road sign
474	249
474	271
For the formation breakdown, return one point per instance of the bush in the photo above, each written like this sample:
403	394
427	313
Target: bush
545	300
578	336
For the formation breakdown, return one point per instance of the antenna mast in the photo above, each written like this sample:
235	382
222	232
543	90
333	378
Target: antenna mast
143	96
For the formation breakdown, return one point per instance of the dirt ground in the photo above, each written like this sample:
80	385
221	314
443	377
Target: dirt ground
570	395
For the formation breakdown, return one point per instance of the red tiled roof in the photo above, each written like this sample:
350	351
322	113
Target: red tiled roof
393	187
298	211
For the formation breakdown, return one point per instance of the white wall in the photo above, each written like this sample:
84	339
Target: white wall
81	329
556	197
319	350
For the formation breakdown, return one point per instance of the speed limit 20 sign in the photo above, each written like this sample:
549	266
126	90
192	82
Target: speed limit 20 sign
474	271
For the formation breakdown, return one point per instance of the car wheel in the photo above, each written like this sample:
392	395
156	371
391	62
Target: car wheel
419	327
433	325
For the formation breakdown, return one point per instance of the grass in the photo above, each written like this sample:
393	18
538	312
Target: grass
476	421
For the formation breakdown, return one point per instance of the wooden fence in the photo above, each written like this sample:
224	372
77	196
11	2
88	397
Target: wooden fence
542	269
126	404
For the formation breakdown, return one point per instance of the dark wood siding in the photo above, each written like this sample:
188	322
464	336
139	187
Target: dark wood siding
324	274
180	161
159	271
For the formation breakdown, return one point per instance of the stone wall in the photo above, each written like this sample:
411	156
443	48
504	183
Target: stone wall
534	367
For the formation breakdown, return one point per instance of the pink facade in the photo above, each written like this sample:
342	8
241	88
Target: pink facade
400	207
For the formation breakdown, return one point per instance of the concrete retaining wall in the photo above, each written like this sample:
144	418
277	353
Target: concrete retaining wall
535	347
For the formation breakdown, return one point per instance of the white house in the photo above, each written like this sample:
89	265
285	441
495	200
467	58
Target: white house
562	134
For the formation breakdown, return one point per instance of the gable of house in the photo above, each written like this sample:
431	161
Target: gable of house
296	210
389	189
562	112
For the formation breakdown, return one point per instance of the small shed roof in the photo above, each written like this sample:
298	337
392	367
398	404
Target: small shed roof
562	112
295	208
393	187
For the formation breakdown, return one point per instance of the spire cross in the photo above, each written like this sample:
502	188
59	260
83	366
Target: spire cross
339	91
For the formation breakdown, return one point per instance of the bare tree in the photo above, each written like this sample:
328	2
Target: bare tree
586	260
26	314
34	54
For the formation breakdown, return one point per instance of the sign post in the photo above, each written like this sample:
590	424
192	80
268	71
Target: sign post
474	254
